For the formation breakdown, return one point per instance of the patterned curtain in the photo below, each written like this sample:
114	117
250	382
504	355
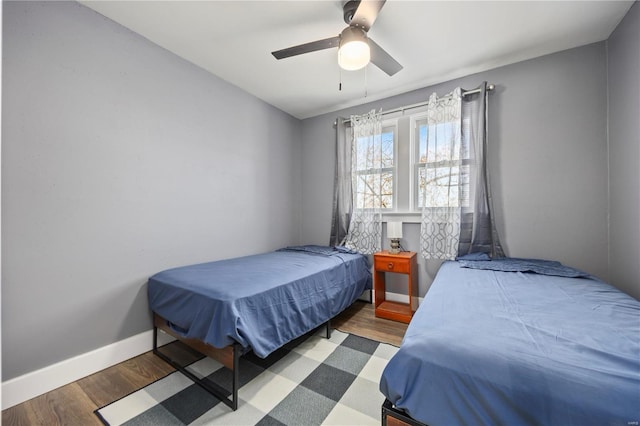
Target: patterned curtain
365	227
443	179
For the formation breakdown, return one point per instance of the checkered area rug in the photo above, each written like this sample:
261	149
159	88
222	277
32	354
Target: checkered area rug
311	381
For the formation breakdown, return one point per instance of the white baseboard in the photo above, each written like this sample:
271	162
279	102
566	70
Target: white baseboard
35	383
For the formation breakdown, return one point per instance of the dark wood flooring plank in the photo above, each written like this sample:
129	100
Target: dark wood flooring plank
120	380
360	319
20	414
67	405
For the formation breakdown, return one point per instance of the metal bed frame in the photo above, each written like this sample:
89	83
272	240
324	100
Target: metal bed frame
228	356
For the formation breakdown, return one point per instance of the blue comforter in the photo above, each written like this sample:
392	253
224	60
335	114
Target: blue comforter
261	301
513	348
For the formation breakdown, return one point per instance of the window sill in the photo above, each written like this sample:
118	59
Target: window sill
404	217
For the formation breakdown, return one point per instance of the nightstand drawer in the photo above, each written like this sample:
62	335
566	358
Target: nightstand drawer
391	264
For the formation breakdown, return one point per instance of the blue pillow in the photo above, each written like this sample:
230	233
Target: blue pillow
474	256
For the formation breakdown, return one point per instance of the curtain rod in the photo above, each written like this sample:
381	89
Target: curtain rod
490	87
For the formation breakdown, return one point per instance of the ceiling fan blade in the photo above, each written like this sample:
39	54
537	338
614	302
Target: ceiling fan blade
367	13
382	59
327	43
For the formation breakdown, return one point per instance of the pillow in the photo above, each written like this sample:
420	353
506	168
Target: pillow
474	256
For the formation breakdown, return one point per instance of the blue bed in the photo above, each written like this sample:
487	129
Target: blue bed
261	302
518	348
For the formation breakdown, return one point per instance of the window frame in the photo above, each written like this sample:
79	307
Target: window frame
415	164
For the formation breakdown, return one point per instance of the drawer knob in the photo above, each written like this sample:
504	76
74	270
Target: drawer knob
390	265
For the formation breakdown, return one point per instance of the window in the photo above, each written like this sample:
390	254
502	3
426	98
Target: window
439	164
375	170
414	160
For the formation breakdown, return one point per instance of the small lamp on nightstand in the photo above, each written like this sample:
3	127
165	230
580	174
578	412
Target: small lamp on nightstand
394	233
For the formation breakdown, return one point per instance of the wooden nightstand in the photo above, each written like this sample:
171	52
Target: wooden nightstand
405	262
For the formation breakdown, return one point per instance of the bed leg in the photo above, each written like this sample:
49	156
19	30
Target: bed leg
237	350
211	387
155	339
328	329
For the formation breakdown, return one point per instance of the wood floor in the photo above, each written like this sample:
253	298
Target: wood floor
74	403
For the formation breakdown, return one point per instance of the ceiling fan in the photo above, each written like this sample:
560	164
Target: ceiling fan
355	49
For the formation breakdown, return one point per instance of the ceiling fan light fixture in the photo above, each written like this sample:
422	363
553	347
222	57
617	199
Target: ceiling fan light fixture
355	48
354	52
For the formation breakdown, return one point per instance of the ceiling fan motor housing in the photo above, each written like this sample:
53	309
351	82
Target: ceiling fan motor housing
352	34
349	9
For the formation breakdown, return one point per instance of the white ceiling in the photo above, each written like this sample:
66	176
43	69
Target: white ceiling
435	41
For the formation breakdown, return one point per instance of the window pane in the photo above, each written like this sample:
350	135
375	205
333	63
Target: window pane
442	177
443	143
421	186
440	186
387	149
438	142
375	152
365	153
375	190
374	158
387	190
422	143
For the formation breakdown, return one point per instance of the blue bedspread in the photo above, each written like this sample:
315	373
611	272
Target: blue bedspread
261	301
512	348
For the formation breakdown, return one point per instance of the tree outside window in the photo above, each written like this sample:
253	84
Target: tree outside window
375	170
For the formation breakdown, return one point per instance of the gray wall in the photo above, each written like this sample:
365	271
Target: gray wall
119	160
547	160
623	49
